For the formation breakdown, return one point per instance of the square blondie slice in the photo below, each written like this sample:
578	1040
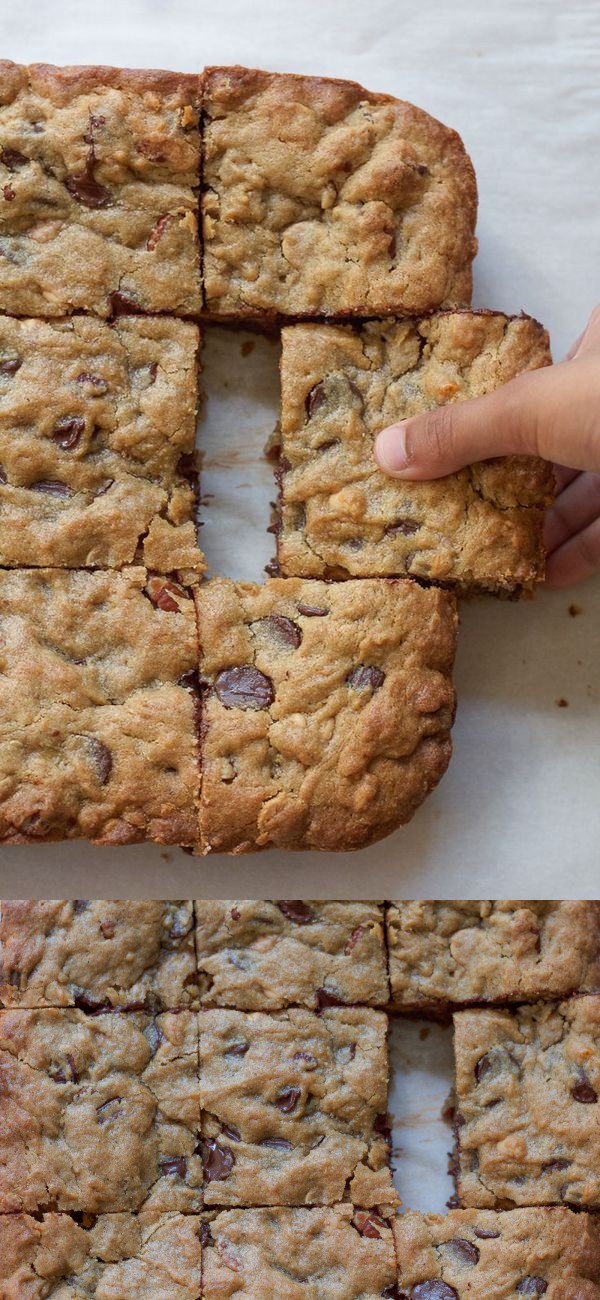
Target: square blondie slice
97	433
321	198
97	725
97	954
340	515
294	1107
549	1252
150	1255
447	953
99	172
527	1101
100	1113
327	710
263	955
320	1254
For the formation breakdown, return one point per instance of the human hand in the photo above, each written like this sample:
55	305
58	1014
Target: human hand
554	413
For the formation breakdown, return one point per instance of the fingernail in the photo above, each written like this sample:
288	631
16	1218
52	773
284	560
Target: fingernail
390	448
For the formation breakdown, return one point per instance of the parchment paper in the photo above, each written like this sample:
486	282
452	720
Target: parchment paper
519	811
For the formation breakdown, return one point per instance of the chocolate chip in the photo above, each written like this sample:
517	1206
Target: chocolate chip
206	1238
12	159
482	1067
107	1112
238	1049
368	1224
433	1289
392	1292
230	1131
122	305
485	1236
323	999
287	1099
101	758
161	592
244	688
187	467
235	913
57	1076
382	1125
465	1250
85	188
80	904
283	629
158	231
584	1092
551	1165
304	1056
531	1286
74	1074
217	1161
366	676
297	911
315	399
68	431
52	487
278	1144
312	611
10	365
404	526
9	193
176	1165
95	381
84	1002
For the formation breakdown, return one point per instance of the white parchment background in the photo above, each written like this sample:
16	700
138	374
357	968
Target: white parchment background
519	811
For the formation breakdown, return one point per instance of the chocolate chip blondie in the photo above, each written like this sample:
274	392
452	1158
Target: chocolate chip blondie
99	171
294	1107
97	433
550	1252
528	1112
340	515
448	953
155	1256
98	720
100	1113
96	954
322	198
261	955
327	710
320	1254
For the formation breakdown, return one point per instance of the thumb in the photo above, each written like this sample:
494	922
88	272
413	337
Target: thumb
515	419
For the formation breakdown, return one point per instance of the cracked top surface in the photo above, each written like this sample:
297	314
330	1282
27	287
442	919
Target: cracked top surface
317	1254
261	954
294	1107
341	515
476	1253
461	951
99	1113
156	1256
528	1089
97	954
323	198
327	709
98	179
97	738
97	427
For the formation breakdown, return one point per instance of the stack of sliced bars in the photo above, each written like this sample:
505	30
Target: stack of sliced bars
139	702
194	1099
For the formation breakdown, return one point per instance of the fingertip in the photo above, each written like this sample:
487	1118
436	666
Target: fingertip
391	451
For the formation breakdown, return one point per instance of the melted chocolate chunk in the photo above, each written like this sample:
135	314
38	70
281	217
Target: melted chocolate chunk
404	526
10	365
366	676
297	911
217	1161
95	381
52	487
68	431
393	1292
278	1144
244	687
315	399
230	1131
312	611
324	998
534	1286
109	1110
484	1234
177	1165
584	1092
238	1049
282	629
466	1252
433	1289
101	758
206	1238
482	1067
85	188
12	159
551	1165
122	305
287	1100
80	905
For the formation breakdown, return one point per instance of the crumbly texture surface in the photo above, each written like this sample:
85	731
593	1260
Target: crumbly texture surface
327	710
97	432
506	951
550	1252
99	1113
317	1254
294	1107
341	515
528	1108
97	954
321	198
97	738
98	191
264	955
154	1256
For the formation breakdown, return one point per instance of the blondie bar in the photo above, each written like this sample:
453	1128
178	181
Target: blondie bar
341	516
543	1252
97	954
321	198
528	1112
99	1112
327	709
97	724
97	432
448	953
118	1256
99	172
294	1107
318	1254
260	955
